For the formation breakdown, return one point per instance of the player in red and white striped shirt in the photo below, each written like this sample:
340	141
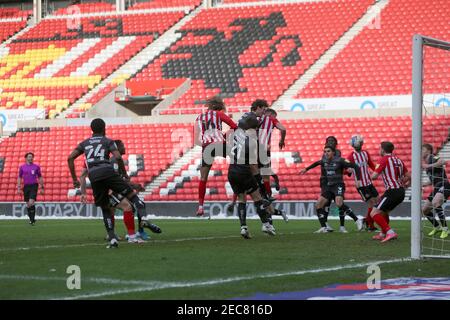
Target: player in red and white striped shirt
208	133
395	177
268	122
367	190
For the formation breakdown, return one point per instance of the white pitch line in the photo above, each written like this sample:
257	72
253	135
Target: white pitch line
219	281
90	280
103	244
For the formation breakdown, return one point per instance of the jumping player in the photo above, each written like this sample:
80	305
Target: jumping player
395	177
97	150
434	167
333	167
267	122
368	192
241	173
30	173
208	133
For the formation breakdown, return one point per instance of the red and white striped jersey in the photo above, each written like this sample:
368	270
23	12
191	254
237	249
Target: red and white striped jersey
266	126
363	160
209	125
393	170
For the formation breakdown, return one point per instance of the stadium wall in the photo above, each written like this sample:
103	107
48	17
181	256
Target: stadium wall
295	209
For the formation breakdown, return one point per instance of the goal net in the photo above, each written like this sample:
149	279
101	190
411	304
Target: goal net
430	148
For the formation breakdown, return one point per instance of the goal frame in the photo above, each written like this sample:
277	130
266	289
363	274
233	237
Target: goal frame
419	41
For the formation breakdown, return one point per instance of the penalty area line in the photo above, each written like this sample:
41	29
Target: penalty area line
220	281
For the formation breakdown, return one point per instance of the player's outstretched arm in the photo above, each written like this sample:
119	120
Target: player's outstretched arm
315	164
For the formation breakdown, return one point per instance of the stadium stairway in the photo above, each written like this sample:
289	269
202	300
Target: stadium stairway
187	158
130	68
373	12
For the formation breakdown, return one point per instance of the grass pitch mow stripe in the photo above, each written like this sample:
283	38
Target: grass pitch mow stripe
212	282
104	244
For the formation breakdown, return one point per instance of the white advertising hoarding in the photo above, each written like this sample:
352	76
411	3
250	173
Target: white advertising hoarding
9	118
361	103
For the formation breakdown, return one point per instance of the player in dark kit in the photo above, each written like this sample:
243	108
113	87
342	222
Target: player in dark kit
119	202
103	177
333	167
242	170
325	199
31	175
434	167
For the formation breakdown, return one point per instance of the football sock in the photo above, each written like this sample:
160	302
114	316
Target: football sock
432	219
32	213
440	213
262	213
380	220
113	220
386	218
108	223
277	212
201	192
140	229
128	220
341	217
321	216
369	219
326	211
138	206
242	211
348	211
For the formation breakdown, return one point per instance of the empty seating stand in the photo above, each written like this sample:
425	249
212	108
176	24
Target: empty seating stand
378	61
57	61
249	52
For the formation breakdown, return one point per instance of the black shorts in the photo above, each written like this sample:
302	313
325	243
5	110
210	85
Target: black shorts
368	192
211	151
442	187
242	182
390	199
324	192
115	198
30	192
101	189
333	191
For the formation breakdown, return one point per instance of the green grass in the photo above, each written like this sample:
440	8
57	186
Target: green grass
178	263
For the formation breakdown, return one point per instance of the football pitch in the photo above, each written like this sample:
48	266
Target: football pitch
195	259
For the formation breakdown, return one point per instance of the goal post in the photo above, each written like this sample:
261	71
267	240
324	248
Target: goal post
419	43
